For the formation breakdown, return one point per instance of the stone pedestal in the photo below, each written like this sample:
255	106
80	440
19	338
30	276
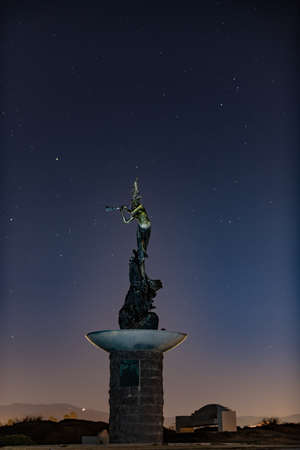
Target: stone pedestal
136	382
136	397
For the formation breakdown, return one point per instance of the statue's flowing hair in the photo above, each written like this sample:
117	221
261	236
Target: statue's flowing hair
136	197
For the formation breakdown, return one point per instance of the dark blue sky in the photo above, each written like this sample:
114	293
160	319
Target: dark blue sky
202	105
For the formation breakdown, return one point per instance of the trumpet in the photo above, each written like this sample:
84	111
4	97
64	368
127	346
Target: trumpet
113	208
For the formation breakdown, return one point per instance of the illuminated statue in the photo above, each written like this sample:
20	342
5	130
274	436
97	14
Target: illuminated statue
136	312
139	213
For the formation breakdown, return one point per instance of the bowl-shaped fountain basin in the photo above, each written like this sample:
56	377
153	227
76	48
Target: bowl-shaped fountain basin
130	340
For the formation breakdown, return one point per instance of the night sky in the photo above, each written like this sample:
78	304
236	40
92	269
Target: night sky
202	105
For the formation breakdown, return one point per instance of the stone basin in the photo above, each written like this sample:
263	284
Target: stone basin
130	340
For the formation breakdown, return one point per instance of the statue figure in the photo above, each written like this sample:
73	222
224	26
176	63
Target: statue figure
139	213
136	311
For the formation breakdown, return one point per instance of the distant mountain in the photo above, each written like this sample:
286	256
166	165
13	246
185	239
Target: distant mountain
243	421
294	418
57	410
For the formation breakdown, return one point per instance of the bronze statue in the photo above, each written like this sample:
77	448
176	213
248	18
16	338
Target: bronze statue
139	213
136	312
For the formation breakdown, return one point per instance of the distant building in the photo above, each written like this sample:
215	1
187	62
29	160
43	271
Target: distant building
212	415
89	440
100	438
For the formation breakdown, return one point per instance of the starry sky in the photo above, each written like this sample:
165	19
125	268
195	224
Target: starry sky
201	103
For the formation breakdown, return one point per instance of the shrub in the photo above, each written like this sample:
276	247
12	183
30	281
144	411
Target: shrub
28	419
15	439
270	421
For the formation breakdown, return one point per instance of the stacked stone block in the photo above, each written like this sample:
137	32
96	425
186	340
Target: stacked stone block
136	412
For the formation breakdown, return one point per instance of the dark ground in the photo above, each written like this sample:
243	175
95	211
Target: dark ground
69	431
284	434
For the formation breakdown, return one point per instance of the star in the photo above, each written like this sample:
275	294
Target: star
268	347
